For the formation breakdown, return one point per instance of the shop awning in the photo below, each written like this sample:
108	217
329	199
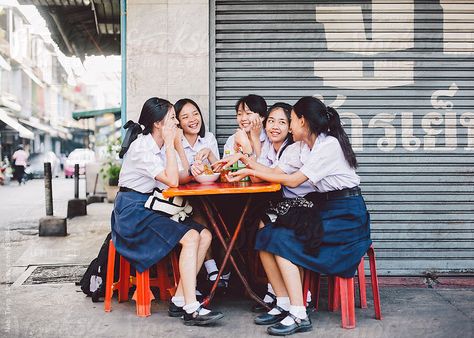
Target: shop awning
87	114
14	124
42	127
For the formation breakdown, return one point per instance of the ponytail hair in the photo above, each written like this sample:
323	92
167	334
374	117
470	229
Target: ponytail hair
154	109
336	130
322	119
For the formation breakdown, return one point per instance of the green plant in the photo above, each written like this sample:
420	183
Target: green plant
111	166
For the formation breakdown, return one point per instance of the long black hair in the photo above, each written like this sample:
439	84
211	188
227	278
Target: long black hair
287	110
178	106
322	119
256	103
154	110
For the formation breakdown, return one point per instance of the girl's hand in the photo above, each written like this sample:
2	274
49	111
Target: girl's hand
197	168
257	127
202	154
241	140
226	162
238	175
178	137
169	129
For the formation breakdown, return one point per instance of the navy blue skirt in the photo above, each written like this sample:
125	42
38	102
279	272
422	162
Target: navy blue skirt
346	238
143	236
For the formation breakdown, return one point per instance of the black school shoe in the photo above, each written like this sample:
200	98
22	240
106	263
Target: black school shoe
195	318
260	308
268	319
221	284
175	311
300	325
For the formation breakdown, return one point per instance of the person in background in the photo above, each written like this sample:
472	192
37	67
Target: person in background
20	158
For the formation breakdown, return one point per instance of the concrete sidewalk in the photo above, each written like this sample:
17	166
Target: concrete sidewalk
54	309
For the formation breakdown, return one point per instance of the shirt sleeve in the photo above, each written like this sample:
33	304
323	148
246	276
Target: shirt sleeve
290	161
229	145
147	163
321	162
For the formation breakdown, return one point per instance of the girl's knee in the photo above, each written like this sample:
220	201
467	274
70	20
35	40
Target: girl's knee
190	238
261	225
206	236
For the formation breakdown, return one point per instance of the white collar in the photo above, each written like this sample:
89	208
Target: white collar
186	142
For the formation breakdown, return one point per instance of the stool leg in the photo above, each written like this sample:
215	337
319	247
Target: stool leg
333	294
109	280
361	282
143	295
375	284
124	280
163	279
346	289
315	287
306	285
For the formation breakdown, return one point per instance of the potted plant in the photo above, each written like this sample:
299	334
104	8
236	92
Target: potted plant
111	169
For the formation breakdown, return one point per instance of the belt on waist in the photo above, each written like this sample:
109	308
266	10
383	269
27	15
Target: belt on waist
331	195
125	189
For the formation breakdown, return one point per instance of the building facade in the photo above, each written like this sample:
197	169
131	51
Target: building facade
401	74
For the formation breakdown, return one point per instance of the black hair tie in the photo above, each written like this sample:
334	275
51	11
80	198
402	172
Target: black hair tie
133	130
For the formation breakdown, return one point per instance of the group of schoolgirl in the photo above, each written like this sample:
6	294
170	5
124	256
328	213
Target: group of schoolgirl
319	222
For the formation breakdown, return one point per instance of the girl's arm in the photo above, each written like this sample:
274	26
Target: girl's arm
169	176
291	181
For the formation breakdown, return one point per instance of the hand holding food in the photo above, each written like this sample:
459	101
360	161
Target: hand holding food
238	175
202	154
226	162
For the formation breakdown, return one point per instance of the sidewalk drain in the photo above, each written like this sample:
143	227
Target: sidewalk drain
51	274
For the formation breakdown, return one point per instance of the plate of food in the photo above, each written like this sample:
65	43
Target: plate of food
208	176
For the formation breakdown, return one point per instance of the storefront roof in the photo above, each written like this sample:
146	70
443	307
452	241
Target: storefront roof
15	125
82	27
87	114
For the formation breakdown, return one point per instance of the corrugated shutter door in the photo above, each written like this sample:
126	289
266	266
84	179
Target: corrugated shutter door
402	76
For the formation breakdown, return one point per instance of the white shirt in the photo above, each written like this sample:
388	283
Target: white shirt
326	167
229	144
143	161
290	162
269	156
20	156
208	141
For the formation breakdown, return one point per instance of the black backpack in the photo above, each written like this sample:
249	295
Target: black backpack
93	281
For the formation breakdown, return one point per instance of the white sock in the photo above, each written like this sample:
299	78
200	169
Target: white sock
268	298
178	301
226	276
211	267
198	293
283	302
297	311
308	297
190	308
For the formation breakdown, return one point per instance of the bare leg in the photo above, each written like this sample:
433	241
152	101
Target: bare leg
199	218
204	243
273	271
291	275
187	266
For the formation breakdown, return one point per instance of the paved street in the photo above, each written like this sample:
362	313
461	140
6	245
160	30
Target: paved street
22	206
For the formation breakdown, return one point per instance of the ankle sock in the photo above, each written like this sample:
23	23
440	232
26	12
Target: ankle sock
211	267
190	308
283	302
297	311
178	301
226	276
268	298
308	297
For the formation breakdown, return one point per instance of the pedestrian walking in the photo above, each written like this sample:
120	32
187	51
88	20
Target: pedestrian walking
20	158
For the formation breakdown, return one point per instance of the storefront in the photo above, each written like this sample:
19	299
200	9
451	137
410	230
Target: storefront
399	72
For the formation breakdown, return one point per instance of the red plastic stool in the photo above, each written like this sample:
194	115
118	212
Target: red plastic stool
143	295
341	291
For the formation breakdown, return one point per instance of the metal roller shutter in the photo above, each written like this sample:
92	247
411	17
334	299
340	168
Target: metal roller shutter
401	74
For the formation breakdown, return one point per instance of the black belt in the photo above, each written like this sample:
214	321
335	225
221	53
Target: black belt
125	189
348	192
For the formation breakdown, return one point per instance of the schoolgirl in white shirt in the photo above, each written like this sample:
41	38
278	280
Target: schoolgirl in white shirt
143	236
327	231
251	111
200	147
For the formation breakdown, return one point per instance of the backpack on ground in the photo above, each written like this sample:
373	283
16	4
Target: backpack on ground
93	281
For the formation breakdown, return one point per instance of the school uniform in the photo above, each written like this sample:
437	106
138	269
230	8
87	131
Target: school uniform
208	141
338	212
140	235
229	144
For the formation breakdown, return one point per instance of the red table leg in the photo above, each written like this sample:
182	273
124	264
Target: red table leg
228	249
